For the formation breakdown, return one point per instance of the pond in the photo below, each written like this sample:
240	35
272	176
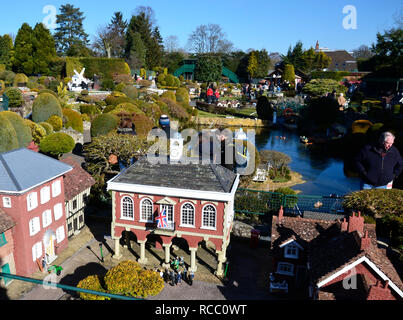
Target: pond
324	175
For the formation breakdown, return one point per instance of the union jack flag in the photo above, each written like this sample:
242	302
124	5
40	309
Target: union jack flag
162	221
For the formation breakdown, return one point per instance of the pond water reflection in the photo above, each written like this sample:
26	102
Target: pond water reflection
323	174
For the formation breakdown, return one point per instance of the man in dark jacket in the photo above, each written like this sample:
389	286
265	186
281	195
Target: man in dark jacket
379	164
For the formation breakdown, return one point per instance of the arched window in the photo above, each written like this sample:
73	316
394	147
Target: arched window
127	208
209	217
147	210
188	215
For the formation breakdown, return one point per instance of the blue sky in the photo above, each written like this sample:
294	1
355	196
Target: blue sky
264	24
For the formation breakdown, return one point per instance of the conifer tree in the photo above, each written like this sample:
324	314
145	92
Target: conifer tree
6	51
23	61
252	65
117	28
70	34
44	49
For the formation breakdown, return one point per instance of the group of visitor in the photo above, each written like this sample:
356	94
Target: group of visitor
178	273
213	95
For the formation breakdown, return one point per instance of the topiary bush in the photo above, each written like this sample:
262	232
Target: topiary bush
56	122
94	283
103	124
89	109
170	95
175	110
108	85
129	279
143	124
48	127
72	119
22	130
131	92
182	95
48	91
20	80
45	106
38	132
57	144
129	107
15	98
120	87
8	136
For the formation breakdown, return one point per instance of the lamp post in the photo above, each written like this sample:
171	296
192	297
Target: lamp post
102	256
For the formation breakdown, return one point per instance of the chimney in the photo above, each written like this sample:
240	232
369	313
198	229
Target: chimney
365	241
356	223
317	46
386	284
280	214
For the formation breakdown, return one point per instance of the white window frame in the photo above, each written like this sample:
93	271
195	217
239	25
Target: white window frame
165	206
122	209
45	195
280	270
6	202
37	251
58	211
147	218
60	234
46	218
32	201
34	226
206	225
194	216
291	246
56	188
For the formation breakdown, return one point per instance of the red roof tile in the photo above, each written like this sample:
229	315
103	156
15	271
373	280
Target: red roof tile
77	180
6	222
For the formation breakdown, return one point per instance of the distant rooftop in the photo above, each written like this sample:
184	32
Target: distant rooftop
23	169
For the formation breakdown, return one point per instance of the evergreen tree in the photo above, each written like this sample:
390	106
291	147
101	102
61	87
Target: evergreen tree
263	63
23	61
44	49
252	65
295	56
137	56
208	67
322	61
308	58
116	31
70	34
155	50
6	51
289	73
151	38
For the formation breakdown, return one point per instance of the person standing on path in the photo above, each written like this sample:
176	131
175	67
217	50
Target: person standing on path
379	164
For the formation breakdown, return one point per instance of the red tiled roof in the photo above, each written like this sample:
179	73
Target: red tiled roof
77	180
330	249
6	222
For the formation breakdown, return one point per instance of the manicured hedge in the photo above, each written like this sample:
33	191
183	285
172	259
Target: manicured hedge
22	130
45	106
38	132
56	122
103	124
73	120
8	136
14	95
56	144
105	67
